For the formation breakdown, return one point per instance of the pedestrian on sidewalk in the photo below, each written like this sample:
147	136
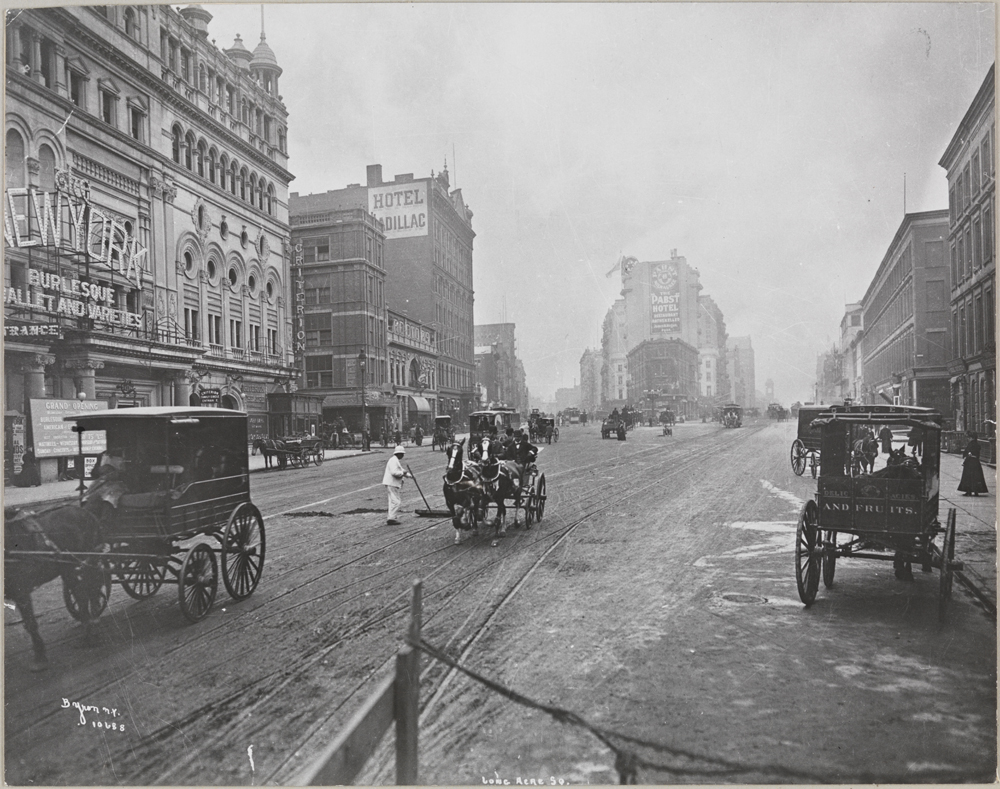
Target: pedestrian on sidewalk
393	481
885	436
973	481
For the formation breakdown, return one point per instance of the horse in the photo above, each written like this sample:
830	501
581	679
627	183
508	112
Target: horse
269	449
499	484
55	536
864	453
462	490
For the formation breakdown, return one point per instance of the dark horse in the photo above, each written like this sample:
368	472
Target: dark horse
499	485
53	538
864	453
462	490
269	448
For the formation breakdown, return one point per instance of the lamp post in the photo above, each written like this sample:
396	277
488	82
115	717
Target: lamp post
364	412
78	429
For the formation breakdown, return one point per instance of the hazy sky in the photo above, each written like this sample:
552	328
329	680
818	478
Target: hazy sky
766	143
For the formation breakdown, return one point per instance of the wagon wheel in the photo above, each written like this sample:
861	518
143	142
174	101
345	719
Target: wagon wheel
243	551
198	582
318	456
87	589
947	557
813	464
540	498
798	455
141	578
807	560
529	509
829	558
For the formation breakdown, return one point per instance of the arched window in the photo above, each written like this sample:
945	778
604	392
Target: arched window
189	150
202	78
176	143
223	170
244	112
131	23
232	178
270	199
253	188
414	373
211	165
47	168
260	194
14	160
243	184
201	158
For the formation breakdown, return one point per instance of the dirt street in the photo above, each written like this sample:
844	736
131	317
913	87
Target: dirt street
656	599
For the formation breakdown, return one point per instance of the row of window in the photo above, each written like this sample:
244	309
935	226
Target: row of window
333	371
898	272
976	175
348	243
898	311
404	374
252	340
894	358
972	246
973	324
219	169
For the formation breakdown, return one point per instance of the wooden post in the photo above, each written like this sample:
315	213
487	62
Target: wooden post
408	697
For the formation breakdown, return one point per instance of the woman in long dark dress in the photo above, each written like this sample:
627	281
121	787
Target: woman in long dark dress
973	482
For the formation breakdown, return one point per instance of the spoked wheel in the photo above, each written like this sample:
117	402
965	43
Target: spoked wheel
540	498
87	589
947	557
807	559
141	578
829	557
319	457
798	457
198	582
243	551
529	508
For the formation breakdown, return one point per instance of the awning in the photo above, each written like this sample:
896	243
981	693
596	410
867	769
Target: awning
419	404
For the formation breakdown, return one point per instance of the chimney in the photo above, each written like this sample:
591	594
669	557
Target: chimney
374	175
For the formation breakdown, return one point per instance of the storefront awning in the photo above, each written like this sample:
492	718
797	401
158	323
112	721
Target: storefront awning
419	404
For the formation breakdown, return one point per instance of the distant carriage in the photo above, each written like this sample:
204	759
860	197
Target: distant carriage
481	423
443	433
545	427
732	415
807	447
296	452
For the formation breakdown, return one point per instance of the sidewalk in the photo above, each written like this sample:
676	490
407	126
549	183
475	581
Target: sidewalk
52	492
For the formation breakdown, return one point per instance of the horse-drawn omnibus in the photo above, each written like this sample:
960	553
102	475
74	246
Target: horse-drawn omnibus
480	422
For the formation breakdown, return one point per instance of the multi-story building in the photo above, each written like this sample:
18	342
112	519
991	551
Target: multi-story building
614	358
851	326
905	344
498	367
663	373
740	358
712	364
970	161
146	244
591	366
428	264
339	285
413	366
661	300
567	397
829	376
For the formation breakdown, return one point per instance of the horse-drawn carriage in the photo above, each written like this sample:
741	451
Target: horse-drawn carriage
807	447
481	423
443	433
889	514
777	412
732	415
170	502
667	420
297	452
545	427
475	488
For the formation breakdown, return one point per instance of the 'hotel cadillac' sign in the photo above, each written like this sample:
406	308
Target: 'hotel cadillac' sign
403	209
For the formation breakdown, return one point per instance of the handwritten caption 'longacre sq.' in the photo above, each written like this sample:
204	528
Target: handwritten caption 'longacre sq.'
85	709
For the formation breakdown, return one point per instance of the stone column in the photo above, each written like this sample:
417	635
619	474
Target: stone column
85	374
59	78
33	367
15	45
182	389
36	58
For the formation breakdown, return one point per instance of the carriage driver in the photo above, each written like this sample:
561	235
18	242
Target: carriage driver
520	455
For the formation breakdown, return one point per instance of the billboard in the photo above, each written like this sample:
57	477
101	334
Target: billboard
402	207
665	298
52	437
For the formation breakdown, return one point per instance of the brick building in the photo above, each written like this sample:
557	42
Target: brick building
614	358
498	368
591	368
663	373
742	372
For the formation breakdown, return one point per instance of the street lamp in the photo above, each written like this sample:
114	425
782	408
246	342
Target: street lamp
364	414
78	429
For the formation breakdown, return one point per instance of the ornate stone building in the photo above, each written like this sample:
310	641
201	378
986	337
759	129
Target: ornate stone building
146	229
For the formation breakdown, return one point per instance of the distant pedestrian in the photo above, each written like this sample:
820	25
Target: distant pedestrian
885	436
973	481
916	440
393	481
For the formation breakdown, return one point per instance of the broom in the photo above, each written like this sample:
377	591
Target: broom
427	513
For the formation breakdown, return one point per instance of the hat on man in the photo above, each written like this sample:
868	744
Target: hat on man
399	450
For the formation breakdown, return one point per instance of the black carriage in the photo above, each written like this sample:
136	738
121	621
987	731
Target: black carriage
172	495
732	415
545	427
481	422
888	514
300	452
443	433
807	447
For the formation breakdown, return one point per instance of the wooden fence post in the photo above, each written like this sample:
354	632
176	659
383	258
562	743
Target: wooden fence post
408	697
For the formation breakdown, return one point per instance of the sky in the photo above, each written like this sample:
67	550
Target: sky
768	143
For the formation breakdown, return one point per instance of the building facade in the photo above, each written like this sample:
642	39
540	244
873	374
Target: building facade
661	300
851	327
428	264
740	359
664	374
591	368
906	342
147	245
339	292
713	372
614	358
970	163
498	368
413	364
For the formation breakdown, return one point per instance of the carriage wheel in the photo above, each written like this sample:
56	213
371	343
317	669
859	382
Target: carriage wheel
198	582
529	509
947	556
540	498
141	578
87	589
807	560
798	454
243	551
318	457
829	558
813	464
